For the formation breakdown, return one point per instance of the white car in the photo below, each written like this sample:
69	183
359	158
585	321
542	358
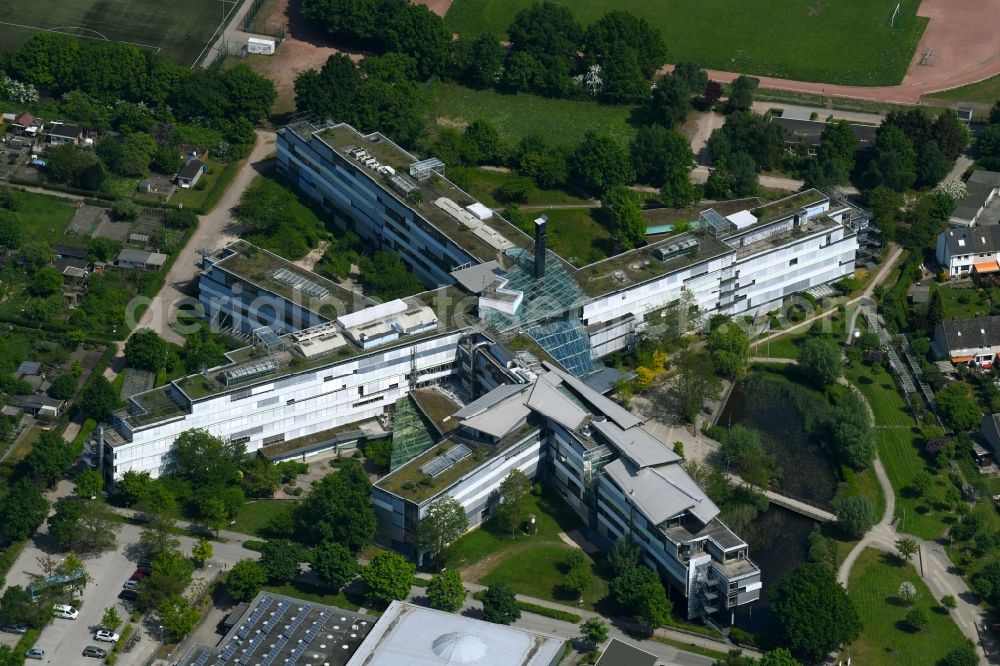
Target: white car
65	612
131	585
106	636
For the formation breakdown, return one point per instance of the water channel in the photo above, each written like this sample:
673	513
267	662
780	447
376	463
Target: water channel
778	539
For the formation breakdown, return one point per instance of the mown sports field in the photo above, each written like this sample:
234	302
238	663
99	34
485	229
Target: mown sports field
179	30
831	41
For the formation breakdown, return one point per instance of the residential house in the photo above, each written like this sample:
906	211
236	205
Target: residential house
29	369
973	341
983	186
65	133
140	260
64	251
969	252
26	125
190	173
989	430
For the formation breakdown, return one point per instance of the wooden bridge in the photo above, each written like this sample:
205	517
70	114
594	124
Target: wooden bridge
800	507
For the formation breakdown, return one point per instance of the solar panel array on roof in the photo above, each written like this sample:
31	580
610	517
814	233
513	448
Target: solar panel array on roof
442	463
300	283
248	371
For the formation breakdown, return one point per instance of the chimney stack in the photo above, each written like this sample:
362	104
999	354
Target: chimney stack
540	246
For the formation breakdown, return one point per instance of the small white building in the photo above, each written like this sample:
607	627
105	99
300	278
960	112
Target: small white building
260	46
190	173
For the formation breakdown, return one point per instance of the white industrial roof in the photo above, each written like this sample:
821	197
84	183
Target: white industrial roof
480	211
324	344
742	219
662	492
375	312
416	636
375	329
415	317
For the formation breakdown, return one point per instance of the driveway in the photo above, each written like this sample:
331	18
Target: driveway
215	229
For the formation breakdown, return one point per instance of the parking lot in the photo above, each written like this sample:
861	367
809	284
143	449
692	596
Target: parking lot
64	640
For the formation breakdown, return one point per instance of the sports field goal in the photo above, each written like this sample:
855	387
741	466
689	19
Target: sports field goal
895	16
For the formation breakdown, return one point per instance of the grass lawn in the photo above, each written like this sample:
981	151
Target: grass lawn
787	346
483	184
888	405
899	450
201	199
537	572
862	483
966	303
560	121
802	41
255	515
316	593
874	588
576	236
984	92
43	217
179	31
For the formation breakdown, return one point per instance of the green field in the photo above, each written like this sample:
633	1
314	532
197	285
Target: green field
254	516
888	405
874	588
813	40
538	572
898	448
179	31
984	92
561	121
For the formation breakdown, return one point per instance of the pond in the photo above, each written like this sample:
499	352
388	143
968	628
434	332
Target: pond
778	538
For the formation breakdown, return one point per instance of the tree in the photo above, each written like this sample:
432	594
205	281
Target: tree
729	347
156	538
281	560
948	602
932	165
178	616
855	516
49	459
624	555
444	523
17	607
513	491
379	452
11	231
595	631
111	620
132	486
957	407
894	161
907	592
83	526
387	577
385	276
8	657
483	144
741	93
245	580
814	611
966	655
656	150
619	30
670	102
500	604
333	564
99	399
446	591
485	62
743	175
821	361
695	383
778	657
36	255
621	208
146	350
330	91
678	191
338	509
545	28
172	573
917	619
204	459
906	547
89	484
852	436
201	552
712	94
45	282
63	387
638	591
600	162
22	510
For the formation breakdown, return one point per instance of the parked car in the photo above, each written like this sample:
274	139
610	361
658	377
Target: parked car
146	563
128	594
65	612
14	628
94	651
106	636
137	575
130	584
35	653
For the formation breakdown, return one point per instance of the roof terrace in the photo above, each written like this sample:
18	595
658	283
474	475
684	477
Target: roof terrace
282	277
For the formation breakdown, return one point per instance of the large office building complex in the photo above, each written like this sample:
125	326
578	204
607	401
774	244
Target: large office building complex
325	365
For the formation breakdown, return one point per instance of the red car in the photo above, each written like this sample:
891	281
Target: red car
138	575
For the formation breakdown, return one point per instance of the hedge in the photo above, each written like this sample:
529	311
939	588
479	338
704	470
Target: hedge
537	609
7	558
